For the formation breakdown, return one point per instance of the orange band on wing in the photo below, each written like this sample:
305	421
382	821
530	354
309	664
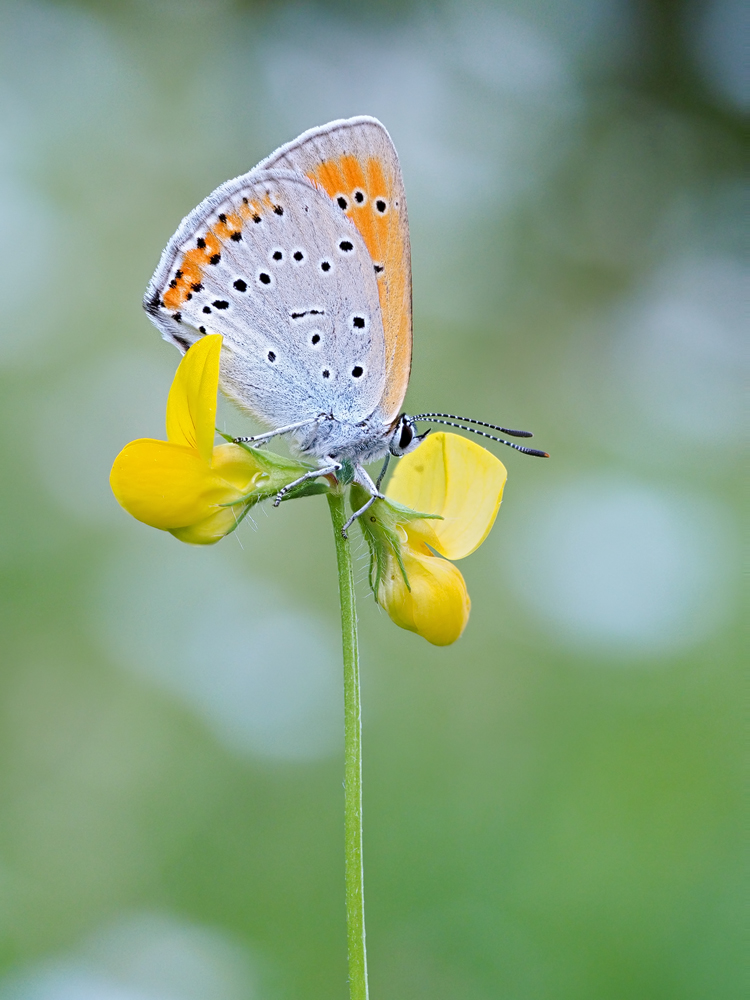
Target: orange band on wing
194	262
386	236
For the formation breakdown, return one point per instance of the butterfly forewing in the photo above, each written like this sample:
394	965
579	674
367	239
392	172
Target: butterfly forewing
356	163
270	263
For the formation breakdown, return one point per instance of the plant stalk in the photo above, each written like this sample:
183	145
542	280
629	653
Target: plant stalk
354	872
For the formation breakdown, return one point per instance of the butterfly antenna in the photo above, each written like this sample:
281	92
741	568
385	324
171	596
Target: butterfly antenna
473	430
477	423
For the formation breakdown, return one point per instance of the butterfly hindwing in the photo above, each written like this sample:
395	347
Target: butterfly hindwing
356	163
270	263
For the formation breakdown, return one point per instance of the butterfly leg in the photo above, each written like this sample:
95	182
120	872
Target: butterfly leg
279	430
325	470
383	471
364	480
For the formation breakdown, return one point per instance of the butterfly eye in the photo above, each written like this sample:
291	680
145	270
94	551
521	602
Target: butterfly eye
407	435
404	437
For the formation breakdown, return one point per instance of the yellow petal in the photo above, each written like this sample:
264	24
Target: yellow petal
167	485
210	530
191	407
436	607
236	465
456	478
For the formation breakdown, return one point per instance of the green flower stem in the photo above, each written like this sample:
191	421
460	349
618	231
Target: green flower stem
354	873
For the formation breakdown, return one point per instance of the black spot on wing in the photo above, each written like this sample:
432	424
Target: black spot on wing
153	304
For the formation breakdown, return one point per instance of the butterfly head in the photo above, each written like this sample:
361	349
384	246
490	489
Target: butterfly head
404	437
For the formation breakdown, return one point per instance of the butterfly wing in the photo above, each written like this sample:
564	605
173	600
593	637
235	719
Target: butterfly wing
270	263
356	163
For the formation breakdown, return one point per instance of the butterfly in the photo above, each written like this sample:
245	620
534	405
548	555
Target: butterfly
303	265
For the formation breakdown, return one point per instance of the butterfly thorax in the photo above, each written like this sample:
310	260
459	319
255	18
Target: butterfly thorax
362	442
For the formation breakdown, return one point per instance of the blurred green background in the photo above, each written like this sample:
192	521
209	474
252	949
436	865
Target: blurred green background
552	804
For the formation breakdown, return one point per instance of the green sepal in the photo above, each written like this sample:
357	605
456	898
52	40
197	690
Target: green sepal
308	489
382	527
277	471
269	460
407	514
345	475
389	513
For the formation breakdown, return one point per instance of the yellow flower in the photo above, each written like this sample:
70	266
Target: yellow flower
185	485
457	486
